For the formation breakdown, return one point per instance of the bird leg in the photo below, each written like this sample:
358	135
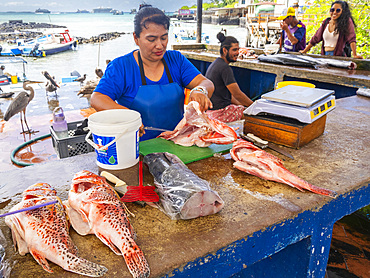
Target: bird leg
29	131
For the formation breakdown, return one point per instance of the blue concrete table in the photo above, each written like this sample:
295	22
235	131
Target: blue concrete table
266	229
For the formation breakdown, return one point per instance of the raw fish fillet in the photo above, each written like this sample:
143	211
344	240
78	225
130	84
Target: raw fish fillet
183	195
228	114
44	233
196	128
254	161
95	208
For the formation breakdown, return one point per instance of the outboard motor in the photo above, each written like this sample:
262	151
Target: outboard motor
34	50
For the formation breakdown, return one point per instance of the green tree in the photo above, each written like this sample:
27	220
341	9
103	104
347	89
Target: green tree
360	10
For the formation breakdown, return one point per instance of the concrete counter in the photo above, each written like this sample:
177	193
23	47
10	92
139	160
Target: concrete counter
266	228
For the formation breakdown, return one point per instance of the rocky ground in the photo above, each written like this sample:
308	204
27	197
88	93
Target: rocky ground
31	30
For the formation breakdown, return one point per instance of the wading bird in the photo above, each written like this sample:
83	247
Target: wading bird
81	79
19	105
51	85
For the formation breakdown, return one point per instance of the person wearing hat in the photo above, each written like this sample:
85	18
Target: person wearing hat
2	70
293	35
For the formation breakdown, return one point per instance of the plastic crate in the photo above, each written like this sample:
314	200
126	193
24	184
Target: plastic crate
71	146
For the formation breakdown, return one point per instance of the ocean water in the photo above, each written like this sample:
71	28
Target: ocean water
87	56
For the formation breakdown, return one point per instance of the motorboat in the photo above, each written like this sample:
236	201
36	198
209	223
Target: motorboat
48	44
188	35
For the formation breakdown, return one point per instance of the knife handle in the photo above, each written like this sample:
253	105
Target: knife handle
112	178
257	139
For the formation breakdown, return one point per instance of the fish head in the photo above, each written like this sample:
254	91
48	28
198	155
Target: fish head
84	180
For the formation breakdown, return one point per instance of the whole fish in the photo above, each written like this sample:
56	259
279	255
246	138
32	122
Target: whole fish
289	59
95	208
196	128
44	233
183	195
254	161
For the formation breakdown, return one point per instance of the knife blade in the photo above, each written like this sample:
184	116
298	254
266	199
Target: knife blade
265	144
155	128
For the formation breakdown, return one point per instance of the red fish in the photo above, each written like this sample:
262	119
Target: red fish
95	208
44	233
254	161
196	128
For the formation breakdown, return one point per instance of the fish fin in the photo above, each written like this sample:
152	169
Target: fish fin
84	267
78	220
108	243
136	262
41	260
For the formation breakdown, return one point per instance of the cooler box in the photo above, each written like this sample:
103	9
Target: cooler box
69	79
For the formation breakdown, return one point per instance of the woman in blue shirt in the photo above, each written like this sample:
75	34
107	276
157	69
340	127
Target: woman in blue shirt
151	80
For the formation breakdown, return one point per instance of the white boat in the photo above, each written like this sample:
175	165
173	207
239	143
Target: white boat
48	44
188	35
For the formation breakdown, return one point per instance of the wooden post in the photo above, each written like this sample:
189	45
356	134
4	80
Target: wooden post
199	20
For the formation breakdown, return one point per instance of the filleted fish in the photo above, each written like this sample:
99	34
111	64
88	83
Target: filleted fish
257	162
196	128
95	208
44	233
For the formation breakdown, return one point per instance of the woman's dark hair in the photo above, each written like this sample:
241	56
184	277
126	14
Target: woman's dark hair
148	14
225	41
342	21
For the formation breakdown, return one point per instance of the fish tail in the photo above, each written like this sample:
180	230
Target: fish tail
296	181
84	267
135	260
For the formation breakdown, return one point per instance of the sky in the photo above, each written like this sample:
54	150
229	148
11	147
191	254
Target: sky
73	5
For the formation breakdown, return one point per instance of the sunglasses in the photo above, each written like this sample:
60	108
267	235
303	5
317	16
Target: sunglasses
337	10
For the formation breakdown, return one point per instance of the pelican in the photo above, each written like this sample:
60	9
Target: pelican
51	85
99	72
19	104
81	79
88	89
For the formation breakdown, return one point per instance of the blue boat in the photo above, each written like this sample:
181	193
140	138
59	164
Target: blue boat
48	44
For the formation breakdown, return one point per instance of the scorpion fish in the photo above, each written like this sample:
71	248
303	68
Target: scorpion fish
44	233
95	208
254	161
196	128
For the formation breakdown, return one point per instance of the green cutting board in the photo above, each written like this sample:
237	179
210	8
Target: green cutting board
186	154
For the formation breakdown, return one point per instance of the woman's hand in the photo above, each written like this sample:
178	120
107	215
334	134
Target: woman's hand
203	100
358	57
141	130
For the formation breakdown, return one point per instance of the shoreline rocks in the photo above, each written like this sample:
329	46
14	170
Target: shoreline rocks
17	29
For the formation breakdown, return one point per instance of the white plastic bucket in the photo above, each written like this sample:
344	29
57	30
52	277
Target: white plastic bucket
116	138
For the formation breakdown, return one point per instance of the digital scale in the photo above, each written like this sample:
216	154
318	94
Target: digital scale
301	103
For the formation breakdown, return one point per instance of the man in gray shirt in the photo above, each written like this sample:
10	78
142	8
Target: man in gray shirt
227	91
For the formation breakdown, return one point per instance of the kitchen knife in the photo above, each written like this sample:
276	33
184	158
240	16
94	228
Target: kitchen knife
155	128
119	185
264	144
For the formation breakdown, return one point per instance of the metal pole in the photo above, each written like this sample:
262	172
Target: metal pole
199	20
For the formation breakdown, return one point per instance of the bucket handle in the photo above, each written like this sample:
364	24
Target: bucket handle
102	148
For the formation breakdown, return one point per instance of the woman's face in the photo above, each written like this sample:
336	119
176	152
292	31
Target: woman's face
336	11
152	42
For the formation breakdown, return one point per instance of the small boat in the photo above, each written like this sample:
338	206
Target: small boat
184	35
48	44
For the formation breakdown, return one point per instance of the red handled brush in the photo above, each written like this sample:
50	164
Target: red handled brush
141	192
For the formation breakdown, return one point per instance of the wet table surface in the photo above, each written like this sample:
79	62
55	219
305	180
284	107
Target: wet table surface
337	160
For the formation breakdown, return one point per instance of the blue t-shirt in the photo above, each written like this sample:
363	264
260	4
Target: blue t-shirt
122	78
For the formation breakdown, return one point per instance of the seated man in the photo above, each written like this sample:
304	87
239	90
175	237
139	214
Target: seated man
227	91
2	70
293	36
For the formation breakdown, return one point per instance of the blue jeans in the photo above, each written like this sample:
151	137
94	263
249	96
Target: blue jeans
329	53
